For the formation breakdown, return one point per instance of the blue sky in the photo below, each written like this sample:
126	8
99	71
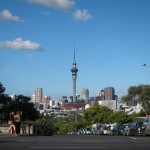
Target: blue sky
112	41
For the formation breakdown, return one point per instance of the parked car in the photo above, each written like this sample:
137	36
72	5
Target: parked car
116	129
94	131
130	129
146	127
82	131
88	131
104	129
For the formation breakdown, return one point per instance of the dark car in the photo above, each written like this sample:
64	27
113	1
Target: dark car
117	130
130	129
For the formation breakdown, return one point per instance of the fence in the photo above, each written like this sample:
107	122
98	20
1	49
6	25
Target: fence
25	129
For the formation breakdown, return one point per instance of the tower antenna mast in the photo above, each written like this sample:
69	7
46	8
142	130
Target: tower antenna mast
74	52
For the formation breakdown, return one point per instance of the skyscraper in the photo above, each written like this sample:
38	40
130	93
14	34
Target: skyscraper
85	94
38	95
74	71
109	93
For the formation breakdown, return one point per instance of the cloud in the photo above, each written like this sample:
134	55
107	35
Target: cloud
6	15
82	15
61	4
19	44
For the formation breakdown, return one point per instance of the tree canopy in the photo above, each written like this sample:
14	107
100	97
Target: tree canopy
19	103
102	114
97	113
139	94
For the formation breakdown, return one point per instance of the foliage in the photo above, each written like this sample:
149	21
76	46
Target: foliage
43	127
65	125
102	114
23	104
139	94
119	117
19	103
97	113
144	98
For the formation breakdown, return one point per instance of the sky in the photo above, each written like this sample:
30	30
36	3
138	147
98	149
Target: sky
38	38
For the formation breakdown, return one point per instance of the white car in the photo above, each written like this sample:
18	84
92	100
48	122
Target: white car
104	129
88	131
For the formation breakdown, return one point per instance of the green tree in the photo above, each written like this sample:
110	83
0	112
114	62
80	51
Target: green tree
144	98
139	94
2	89
119	117
43	126
5	102
97	113
19	103
23	104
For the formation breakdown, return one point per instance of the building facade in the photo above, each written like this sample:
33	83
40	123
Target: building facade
109	93
38	95
85	94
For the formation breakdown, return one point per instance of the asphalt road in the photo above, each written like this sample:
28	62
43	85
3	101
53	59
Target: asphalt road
74	142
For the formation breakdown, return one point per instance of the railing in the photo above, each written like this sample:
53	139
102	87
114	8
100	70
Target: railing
24	130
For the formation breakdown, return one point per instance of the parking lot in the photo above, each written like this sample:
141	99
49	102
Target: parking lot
78	142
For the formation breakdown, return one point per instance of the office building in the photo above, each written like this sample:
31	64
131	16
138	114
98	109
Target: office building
109	93
38	95
85	94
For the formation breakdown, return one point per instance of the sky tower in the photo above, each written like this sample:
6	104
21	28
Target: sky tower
74	71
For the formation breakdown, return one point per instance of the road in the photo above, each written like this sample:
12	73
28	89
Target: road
74	142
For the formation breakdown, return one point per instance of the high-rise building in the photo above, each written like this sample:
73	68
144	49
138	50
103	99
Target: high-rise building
109	93
85	94
74	71
46	99
38	95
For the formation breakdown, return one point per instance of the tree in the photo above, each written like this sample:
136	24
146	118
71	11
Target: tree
5	101
144	98
23	104
3	97
97	113
2	89
139	94
119	117
19	103
43	126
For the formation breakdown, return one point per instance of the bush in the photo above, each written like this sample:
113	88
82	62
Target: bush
42	127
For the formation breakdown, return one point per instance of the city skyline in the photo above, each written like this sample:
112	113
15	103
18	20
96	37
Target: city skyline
37	41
